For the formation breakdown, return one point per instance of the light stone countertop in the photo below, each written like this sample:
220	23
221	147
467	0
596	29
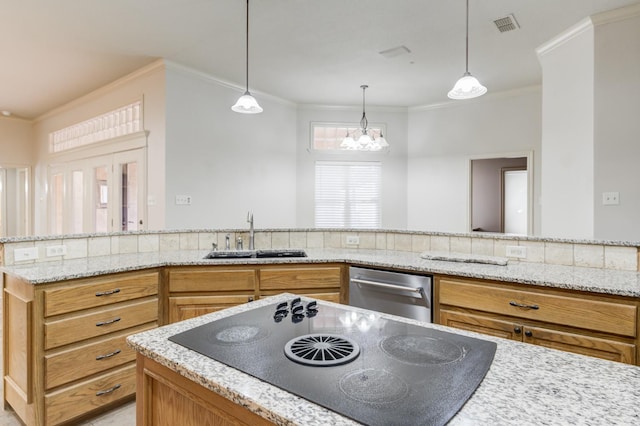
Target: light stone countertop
604	281
526	384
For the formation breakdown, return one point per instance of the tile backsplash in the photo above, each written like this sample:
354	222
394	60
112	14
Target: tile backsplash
538	250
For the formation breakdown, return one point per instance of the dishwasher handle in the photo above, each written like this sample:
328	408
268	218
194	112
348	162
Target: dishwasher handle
418	290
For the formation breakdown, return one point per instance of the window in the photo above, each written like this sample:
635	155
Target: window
119	122
329	136
347	194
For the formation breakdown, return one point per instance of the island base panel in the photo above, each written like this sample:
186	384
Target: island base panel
166	398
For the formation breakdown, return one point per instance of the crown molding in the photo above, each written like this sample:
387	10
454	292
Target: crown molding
147	69
174	66
491	96
565	36
616	15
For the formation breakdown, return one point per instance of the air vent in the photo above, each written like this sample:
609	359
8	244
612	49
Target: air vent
508	23
395	51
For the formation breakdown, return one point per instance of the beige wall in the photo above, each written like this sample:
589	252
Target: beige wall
16	142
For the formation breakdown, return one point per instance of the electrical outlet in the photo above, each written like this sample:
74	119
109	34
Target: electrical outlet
610	198
56	250
25	254
353	240
183	200
519	252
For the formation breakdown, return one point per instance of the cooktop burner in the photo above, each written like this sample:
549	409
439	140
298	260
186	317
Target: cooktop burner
421	350
371	386
238	335
377	371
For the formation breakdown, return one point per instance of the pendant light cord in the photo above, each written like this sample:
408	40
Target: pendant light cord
467	40
364	123
247	50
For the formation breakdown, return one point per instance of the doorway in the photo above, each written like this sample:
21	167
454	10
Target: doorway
15	212
99	194
500	195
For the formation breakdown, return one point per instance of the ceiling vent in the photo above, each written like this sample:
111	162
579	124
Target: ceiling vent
395	51
508	23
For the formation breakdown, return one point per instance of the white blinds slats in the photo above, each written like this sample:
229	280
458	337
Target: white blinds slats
347	194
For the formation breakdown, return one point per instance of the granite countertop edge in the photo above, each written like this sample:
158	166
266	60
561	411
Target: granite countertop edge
595	280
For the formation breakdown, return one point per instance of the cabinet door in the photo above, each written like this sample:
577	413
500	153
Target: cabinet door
481	324
185	307
580	344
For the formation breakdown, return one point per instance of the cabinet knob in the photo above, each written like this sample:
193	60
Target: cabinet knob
528	333
517	330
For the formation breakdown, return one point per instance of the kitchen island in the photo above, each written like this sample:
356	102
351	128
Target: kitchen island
525	384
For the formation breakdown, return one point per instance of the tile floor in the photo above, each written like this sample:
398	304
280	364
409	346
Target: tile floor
122	416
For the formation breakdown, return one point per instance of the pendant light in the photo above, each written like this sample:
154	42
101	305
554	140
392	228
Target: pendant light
247	104
467	87
365	142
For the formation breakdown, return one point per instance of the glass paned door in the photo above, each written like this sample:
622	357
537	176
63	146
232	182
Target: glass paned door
98	194
131	191
102	219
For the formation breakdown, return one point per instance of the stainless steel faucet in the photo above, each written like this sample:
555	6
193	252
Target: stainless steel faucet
251	233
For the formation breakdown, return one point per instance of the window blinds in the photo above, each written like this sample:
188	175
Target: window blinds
347	194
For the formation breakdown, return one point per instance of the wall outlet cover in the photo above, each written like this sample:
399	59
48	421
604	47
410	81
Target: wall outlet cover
353	240
59	250
518	252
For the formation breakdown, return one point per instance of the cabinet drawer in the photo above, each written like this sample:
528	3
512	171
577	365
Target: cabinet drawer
187	280
586	313
99	292
81	327
64	405
295	278
185	307
83	361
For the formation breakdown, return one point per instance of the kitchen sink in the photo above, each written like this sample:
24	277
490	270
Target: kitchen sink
268	253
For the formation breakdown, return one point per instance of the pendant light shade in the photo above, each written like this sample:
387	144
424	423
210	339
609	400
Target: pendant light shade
365	142
467	87
247	104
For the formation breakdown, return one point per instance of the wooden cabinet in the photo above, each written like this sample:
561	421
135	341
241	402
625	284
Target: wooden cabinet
65	353
195	291
325	282
595	325
164	398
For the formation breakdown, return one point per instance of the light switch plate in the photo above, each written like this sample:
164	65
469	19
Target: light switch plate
183	200
23	254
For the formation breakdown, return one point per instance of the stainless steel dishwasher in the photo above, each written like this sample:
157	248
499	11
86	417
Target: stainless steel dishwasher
396	293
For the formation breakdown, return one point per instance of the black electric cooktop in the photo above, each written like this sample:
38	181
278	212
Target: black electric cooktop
373	370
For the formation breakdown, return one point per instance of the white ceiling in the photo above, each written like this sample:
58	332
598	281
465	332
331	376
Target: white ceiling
306	51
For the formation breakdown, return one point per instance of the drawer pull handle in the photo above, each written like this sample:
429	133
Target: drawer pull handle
107	322
520	305
108	391
105	356
108	292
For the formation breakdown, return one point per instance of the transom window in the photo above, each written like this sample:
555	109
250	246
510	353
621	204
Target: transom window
329	136
119	122
347	194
